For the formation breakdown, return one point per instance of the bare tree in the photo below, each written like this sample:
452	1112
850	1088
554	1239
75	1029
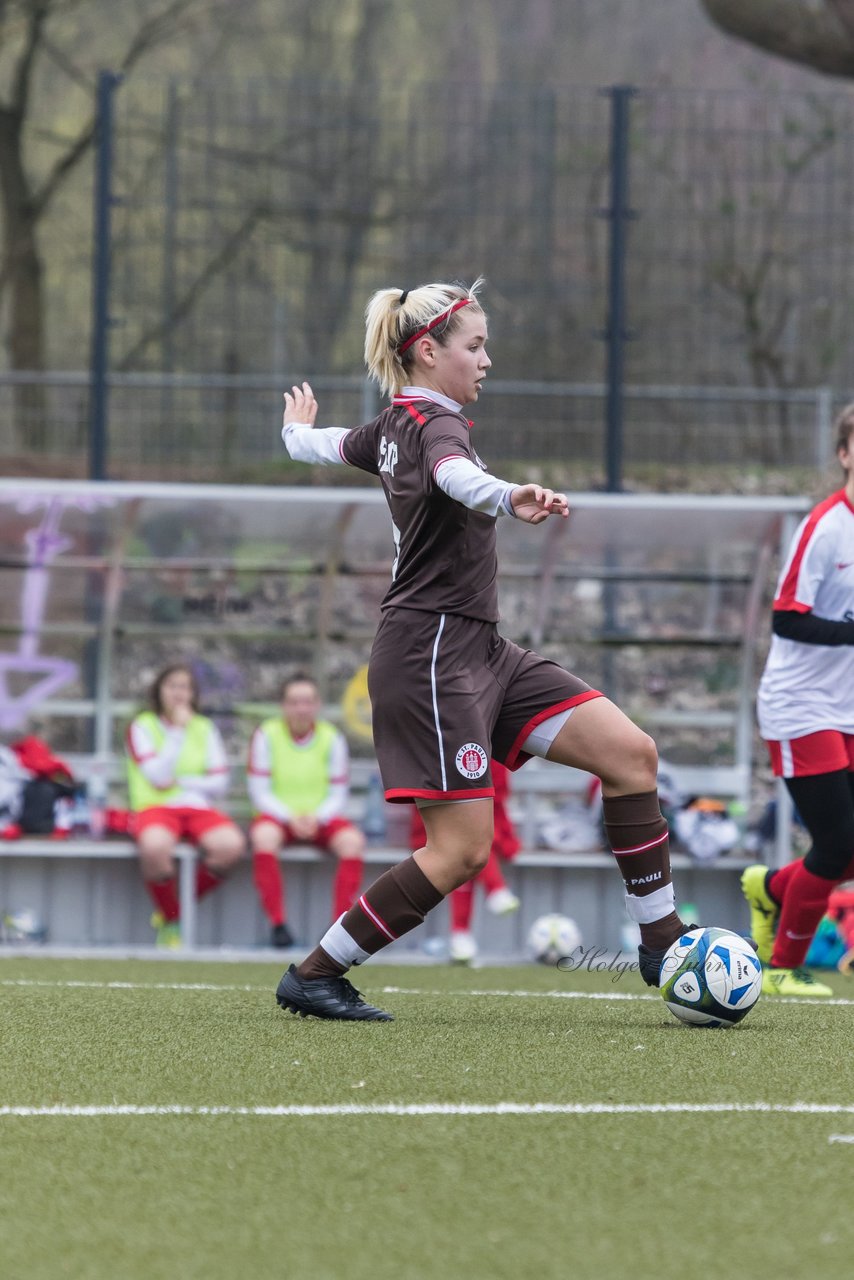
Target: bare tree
814	33
39	37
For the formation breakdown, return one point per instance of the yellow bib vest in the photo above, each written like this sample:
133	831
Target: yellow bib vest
299	774
192	761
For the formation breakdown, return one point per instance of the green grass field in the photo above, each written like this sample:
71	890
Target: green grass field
166	1119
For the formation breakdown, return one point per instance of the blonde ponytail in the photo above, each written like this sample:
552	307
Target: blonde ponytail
393	317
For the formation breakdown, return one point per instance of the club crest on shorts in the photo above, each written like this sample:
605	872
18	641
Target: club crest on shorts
472	761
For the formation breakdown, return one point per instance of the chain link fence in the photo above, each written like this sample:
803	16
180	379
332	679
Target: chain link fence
251	221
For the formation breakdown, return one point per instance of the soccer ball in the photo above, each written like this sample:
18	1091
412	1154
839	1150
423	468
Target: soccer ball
711	977
552	938
21	927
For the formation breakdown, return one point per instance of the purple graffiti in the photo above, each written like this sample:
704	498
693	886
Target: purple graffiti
45	674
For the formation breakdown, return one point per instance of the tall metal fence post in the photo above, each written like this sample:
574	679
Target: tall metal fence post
823	426
617	214
102	249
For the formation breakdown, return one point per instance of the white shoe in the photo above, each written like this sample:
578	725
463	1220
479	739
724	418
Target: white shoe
463	947
501	902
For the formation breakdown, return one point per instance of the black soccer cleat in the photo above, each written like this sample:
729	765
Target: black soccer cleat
649	964
326	998
281	936
649	961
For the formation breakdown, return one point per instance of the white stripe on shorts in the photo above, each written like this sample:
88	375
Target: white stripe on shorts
436	702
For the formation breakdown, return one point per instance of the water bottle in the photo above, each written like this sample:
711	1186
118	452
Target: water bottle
96	792
62	816
79	817
374	820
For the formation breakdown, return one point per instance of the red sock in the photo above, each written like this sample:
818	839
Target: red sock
490	878
778	882
345	889
802	908
461	904
270	885
206	880
164	894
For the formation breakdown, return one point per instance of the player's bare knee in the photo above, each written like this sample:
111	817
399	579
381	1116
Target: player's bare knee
635	765
266	837
155	857
474	857
224	851
349	845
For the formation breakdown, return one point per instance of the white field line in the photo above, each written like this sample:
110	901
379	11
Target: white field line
398	991
133	986
446	1109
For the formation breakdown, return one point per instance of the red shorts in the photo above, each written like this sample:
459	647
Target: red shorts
185	824
325	832
824	752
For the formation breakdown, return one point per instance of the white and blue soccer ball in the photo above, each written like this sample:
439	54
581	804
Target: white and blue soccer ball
710	977
22	927
553	937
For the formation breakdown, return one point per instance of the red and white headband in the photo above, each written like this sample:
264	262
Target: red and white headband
443	315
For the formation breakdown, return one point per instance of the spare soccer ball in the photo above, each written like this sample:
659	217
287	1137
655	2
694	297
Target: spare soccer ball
553	937
21	927
710	977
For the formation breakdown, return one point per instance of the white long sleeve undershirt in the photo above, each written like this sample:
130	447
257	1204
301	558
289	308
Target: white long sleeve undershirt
463	481
458	477
314	444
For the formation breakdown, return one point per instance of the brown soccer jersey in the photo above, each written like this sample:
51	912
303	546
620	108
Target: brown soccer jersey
446	559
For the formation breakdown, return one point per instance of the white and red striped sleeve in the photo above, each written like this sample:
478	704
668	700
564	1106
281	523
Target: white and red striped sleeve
214	781
156	766
808	563
259	779
339	781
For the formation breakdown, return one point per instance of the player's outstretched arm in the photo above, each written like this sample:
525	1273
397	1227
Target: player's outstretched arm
534	504
300	406
303	441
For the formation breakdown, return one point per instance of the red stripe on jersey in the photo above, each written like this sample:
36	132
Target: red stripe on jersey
413	413
401	795
516	757
787	597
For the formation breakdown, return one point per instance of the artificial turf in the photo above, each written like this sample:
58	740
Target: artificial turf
601	1192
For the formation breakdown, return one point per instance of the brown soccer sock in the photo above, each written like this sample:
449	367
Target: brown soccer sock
394	904
638	835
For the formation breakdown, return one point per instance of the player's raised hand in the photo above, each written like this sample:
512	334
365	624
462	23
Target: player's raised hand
534	504
300	406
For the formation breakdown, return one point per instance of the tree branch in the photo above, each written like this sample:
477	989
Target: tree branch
23	70
813	33
215	265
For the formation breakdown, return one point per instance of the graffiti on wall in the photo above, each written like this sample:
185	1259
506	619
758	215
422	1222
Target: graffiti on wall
28	676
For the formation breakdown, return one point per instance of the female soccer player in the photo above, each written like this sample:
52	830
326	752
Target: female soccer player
806	715
498	897
447	690
176	769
